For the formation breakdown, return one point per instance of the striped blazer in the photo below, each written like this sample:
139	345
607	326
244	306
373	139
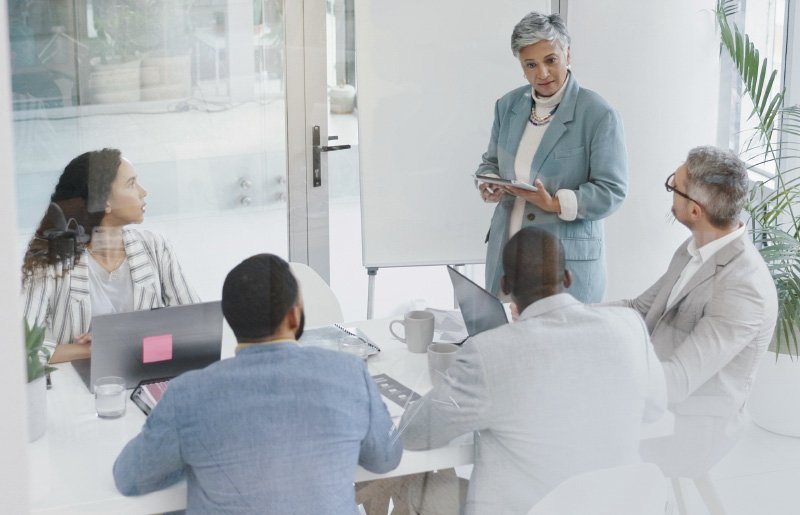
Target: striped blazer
61	299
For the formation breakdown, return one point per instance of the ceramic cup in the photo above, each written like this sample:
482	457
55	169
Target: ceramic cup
440	357
418	330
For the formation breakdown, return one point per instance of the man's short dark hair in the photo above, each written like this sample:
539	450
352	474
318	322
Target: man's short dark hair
257	295
533	263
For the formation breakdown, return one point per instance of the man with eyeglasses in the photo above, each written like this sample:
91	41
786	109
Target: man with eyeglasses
710	316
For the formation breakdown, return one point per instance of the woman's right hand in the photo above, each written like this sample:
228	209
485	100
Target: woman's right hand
80	348
490	193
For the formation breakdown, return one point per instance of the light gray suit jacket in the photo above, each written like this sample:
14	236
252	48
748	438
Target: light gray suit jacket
583	149
710	342
561	391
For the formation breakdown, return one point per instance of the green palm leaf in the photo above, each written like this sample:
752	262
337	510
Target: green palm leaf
774	227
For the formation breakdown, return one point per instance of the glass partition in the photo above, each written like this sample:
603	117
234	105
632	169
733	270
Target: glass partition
193	94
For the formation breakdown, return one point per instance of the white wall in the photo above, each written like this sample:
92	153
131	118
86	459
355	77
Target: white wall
657	63
13	423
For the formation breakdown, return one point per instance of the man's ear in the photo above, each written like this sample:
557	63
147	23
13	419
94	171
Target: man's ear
696	211
567	279
293	317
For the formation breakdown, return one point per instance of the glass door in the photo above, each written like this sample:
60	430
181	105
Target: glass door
348	279
192	92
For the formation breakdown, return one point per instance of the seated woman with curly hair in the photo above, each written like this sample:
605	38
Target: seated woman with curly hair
95	265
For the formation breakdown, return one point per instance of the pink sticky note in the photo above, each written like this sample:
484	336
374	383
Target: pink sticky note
157	348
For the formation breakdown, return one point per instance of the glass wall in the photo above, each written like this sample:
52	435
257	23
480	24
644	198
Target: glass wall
191	91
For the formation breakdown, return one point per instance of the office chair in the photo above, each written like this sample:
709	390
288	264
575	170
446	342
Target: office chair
321	305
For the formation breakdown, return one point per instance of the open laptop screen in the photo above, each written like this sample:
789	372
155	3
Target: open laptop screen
481	310
158	343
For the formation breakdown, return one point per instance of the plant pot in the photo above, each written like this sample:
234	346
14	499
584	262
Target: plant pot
37	408
773	404
166	77
116	83
343	99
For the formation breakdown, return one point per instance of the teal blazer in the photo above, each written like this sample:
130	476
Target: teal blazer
583	149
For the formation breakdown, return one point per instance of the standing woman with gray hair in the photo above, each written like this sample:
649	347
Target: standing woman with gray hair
564	140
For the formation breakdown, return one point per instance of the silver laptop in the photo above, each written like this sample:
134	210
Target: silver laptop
480	309
152	344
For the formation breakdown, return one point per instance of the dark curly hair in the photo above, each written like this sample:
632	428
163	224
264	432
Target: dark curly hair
81	193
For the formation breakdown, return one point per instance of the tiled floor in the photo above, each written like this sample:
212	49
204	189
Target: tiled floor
758	477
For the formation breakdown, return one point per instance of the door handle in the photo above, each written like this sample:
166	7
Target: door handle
317	150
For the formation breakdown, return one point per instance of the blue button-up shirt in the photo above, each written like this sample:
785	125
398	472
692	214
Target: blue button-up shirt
277	429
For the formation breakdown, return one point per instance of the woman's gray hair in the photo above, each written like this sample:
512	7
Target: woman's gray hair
718	180
535	27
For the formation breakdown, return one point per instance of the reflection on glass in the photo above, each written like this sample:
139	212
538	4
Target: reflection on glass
194	93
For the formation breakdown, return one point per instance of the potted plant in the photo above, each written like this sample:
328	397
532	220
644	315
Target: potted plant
115	74
141	51
166	64
36	356
773	222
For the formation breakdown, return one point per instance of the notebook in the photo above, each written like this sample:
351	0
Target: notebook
480	309
327	336
158	343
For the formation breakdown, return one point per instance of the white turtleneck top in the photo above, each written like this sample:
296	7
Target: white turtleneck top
529	143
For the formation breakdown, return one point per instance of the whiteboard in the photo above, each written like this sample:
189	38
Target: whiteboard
428	76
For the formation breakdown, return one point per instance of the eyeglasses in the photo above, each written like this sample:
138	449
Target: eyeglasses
668	184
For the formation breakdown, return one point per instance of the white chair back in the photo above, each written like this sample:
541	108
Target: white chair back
321	305
639	489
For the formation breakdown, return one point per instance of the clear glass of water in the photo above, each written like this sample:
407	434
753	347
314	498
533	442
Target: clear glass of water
110	397
354	346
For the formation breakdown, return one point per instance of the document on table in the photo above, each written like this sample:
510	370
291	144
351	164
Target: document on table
395	395
327	336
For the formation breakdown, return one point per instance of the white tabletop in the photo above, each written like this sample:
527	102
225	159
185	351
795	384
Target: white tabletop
70	467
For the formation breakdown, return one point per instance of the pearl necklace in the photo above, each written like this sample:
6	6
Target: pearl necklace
537	120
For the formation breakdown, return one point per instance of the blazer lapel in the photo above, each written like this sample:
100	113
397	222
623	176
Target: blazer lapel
520	113
80	307
721	258
142	273
676	266
557	127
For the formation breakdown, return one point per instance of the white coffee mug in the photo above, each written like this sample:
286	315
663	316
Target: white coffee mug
418	330
440	357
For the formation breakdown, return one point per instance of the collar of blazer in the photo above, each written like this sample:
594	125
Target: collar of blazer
141	265
719	260
521	111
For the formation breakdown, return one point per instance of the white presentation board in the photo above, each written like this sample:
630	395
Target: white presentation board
429	74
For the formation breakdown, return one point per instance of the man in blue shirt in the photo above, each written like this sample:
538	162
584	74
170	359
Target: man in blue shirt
277	429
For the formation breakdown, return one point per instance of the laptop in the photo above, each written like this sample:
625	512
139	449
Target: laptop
159	343
480	309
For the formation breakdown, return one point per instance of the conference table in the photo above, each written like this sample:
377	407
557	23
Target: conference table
70	466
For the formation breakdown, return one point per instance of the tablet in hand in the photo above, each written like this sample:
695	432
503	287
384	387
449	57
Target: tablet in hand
493	179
